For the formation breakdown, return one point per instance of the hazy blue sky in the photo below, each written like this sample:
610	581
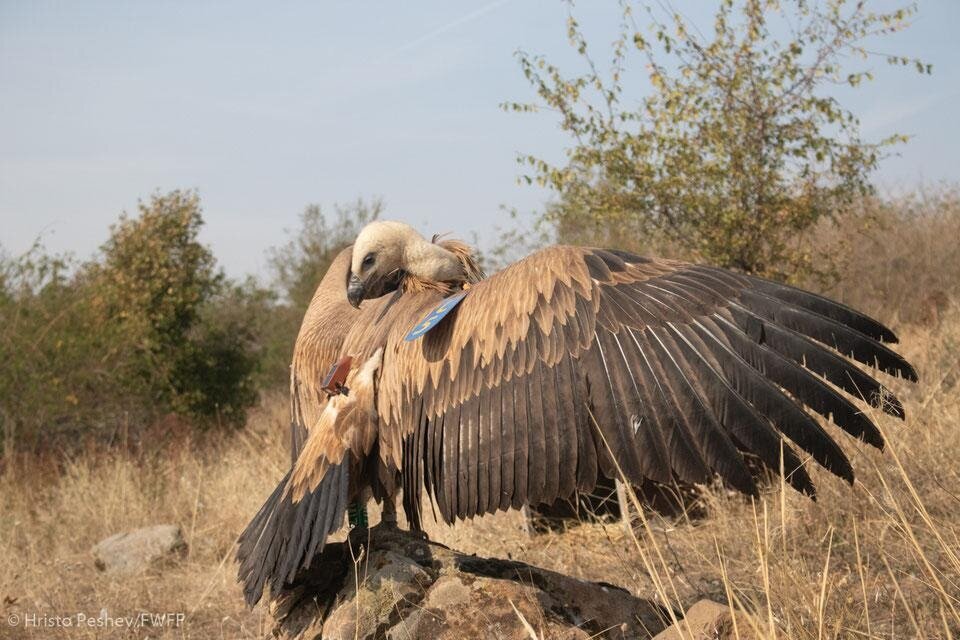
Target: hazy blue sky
265	107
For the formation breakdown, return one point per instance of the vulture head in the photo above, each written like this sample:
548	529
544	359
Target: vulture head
387	253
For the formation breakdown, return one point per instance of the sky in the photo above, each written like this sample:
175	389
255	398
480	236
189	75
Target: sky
267	107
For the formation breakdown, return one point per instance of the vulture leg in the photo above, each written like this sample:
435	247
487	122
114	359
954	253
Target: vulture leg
357	515
388	516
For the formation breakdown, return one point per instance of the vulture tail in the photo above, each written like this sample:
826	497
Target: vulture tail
285	535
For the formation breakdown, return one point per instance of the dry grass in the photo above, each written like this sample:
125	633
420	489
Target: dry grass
898	260
53	516
879	560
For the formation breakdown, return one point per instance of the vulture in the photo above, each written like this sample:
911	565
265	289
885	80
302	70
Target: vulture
524	388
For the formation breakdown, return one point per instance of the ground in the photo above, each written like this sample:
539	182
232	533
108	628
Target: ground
876	560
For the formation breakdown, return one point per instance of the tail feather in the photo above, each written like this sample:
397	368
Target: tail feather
284	536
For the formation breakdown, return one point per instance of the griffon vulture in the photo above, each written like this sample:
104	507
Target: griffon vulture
570	363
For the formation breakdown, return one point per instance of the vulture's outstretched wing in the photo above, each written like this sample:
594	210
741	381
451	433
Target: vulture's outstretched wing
521	394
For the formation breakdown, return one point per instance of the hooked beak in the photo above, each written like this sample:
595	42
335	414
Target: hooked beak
355	291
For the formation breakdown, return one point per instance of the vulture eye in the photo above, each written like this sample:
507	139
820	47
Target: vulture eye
368	261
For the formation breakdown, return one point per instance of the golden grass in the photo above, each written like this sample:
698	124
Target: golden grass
51	519
878	560
897	260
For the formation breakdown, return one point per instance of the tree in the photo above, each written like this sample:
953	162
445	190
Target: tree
161	286
155	271
297	268
735	151
299	265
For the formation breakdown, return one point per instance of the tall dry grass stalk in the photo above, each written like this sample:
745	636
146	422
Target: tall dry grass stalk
880	559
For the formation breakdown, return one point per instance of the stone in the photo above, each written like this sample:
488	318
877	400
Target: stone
393	579
134	551
708	620
404	587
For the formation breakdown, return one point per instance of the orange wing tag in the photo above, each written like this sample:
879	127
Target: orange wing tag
333	384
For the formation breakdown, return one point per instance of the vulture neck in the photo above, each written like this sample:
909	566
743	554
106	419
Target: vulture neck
327	319
440	266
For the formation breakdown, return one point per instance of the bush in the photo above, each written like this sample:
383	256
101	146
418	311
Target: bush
734	150
268	327
213	371
896	259
125	338
58	362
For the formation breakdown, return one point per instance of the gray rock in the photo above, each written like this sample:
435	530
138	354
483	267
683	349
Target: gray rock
404	587
390	581
134	551
709	620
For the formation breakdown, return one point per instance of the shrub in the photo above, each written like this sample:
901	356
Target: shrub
122	339
735	150
57	360
896	259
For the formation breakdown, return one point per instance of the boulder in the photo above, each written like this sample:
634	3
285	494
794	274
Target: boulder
134	551
708	620
393	584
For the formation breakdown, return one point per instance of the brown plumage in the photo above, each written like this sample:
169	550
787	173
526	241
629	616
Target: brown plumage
570	363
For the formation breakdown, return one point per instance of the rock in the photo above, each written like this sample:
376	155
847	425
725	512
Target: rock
708	620
392	580
404	587
136	550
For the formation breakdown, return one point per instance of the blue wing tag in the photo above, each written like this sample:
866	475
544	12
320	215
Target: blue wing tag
434	317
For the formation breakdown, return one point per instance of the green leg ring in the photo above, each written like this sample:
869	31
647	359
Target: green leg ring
357	515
